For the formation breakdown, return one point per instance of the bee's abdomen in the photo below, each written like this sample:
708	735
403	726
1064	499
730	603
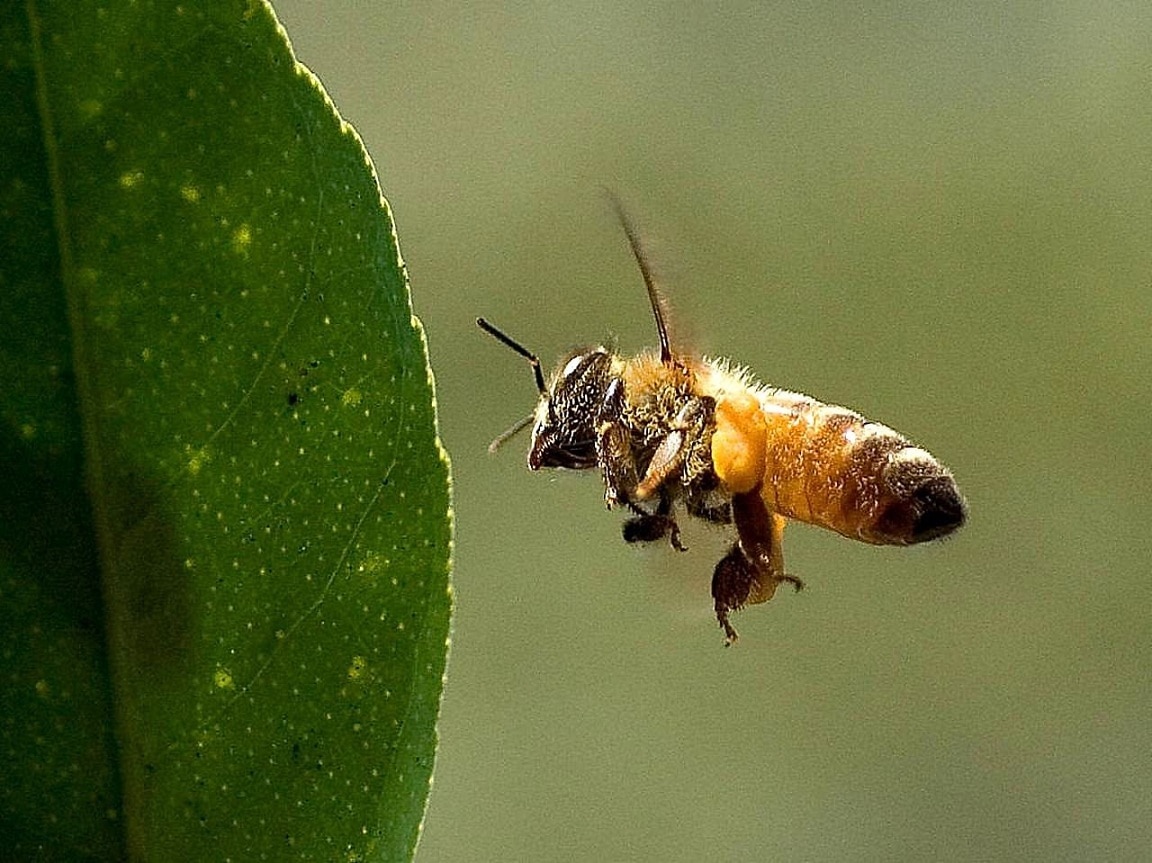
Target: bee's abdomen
829	466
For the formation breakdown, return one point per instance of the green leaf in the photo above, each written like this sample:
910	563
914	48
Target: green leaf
224	516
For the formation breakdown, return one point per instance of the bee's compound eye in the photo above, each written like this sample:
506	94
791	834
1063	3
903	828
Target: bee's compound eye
583	364
615	391
573	365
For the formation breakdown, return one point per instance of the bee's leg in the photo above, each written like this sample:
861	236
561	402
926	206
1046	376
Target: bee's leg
667	462
614	453
750	572
652	526
688	426
732	583
719	513
614	448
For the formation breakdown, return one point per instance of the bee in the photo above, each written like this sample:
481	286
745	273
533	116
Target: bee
671	431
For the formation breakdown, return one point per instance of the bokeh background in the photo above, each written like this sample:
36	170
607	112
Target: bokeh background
939	214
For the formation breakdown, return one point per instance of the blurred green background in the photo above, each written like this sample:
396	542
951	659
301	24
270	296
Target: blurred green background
939	214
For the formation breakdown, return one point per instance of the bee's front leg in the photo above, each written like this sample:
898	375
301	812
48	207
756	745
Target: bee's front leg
664	468
688	427
614	452
751	571
653	526
614	448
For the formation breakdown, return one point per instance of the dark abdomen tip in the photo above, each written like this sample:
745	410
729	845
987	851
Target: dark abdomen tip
939	509
926	507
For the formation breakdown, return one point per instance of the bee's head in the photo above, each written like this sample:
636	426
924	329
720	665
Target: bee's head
564	422
564	428
585	391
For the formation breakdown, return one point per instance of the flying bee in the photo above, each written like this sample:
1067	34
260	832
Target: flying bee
670	431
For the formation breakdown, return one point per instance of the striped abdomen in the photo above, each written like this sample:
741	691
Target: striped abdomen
829	466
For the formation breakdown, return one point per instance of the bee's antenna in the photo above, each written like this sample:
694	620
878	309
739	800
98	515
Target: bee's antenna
510	433
646	271
524	352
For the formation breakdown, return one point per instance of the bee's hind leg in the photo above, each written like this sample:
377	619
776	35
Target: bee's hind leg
753	568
